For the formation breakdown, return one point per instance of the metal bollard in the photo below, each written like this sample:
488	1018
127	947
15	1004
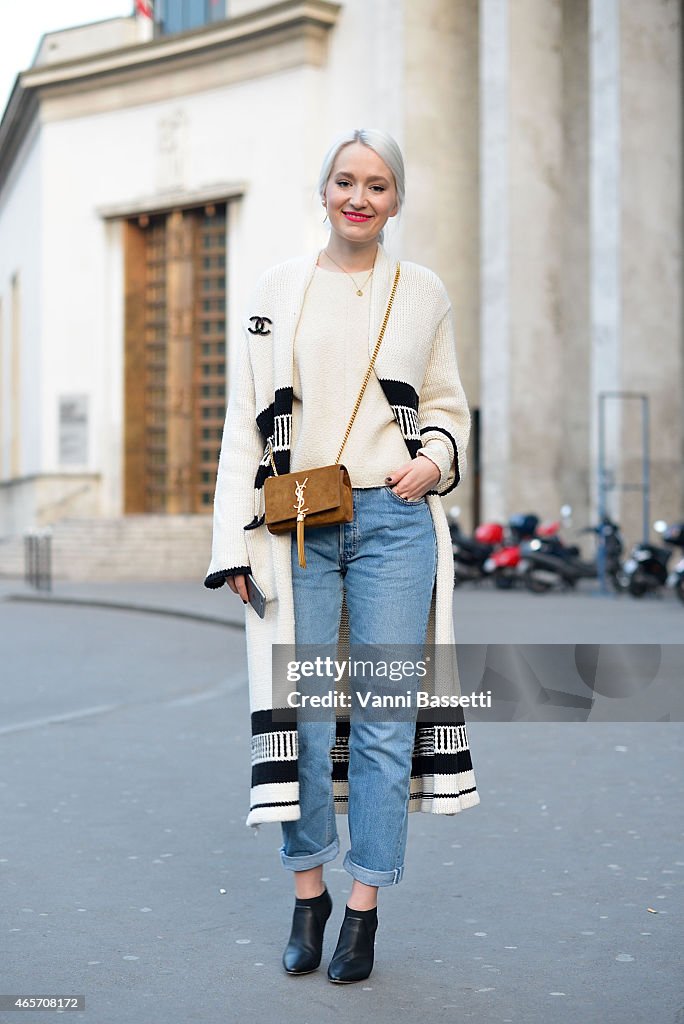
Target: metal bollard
29	547
46	574
38	558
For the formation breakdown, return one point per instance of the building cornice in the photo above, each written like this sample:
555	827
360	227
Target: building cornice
262	29
174	199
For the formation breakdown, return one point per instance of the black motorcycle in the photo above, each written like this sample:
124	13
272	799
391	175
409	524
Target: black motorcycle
491	553
674	535
547	562
469	553
646	568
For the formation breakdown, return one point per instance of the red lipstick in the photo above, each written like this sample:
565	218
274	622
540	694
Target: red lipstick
356	218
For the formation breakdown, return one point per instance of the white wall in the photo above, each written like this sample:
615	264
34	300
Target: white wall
20	247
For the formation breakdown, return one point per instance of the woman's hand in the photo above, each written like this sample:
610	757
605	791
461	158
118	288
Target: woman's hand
238	584
414	478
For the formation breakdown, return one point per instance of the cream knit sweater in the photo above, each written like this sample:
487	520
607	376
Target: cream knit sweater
416	369
330	362
418	373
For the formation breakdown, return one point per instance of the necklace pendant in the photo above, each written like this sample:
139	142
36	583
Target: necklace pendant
359	292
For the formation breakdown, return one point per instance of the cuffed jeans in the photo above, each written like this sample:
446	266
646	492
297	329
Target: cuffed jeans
385	561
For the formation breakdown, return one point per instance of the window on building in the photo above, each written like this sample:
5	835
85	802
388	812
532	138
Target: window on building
181	15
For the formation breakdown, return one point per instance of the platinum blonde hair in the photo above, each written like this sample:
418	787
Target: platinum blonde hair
383	144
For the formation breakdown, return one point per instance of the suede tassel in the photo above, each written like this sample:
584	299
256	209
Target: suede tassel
300	542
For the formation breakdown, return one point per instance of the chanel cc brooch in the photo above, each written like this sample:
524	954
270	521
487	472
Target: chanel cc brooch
259	325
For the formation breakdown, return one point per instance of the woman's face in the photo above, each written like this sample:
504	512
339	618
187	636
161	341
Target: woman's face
360	195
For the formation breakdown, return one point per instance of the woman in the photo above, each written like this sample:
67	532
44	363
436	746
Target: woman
384	578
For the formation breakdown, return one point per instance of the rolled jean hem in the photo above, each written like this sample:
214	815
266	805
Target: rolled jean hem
310	860
369	877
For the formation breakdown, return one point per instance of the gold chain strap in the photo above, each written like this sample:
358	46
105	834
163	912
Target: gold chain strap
366	379
370	365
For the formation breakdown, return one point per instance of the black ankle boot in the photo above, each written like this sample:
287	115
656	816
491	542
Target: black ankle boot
354	955
303	951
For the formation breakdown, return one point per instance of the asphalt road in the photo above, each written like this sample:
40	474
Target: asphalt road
124	775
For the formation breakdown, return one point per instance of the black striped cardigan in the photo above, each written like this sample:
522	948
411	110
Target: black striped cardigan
418	372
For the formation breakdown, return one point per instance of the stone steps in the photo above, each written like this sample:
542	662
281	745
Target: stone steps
150	547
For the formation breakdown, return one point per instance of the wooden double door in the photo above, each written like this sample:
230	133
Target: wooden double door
175	358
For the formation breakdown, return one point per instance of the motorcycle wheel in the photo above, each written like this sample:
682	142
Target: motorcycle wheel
533	583
636	588
619	582
679	589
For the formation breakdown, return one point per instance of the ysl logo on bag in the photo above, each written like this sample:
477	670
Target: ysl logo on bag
259	325
299	492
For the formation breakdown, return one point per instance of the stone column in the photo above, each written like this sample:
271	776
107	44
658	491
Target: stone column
439	225
649	261
605	243
495	338
574	478
522	152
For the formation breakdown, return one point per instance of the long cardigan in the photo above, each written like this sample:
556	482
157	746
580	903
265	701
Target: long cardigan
418	372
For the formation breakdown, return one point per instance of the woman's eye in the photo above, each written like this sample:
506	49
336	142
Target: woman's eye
343	181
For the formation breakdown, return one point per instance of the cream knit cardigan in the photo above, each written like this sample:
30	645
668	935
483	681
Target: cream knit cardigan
417	369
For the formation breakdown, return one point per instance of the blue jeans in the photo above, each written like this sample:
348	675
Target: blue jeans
385	560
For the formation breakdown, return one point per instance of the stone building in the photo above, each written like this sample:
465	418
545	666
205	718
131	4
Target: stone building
149	172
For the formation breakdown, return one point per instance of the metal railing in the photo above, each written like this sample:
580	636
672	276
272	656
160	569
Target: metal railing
38	557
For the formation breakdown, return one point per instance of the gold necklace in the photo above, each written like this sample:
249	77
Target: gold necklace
359	291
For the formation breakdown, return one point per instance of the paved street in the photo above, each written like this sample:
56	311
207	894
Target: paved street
124	778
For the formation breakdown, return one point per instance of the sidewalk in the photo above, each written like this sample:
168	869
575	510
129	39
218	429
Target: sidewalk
128	874
189	599
481	614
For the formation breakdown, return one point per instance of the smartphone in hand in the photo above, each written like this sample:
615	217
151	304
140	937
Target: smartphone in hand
256	596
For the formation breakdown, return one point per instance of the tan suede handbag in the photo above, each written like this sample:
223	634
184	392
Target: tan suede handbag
320	496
